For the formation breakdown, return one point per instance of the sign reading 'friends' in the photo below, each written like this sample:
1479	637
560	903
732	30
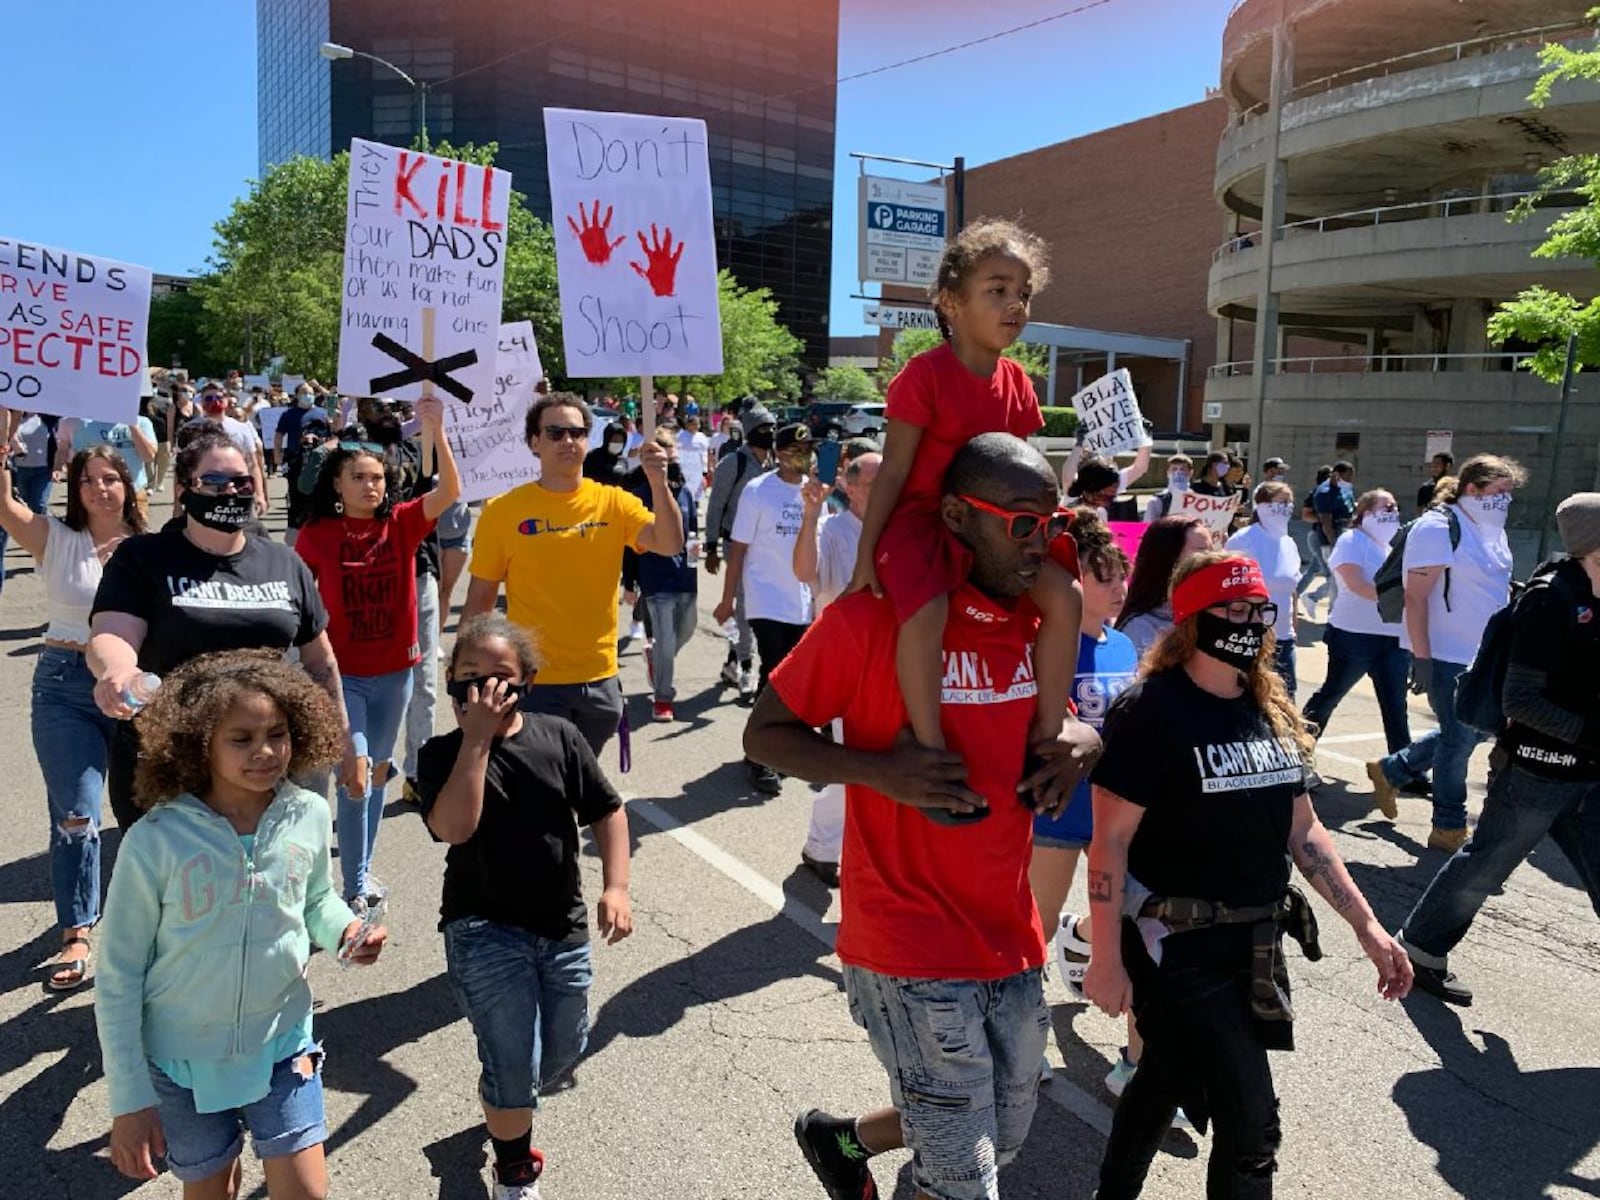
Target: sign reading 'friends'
424	265
635	248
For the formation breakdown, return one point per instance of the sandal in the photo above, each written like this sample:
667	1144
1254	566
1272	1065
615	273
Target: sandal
68	974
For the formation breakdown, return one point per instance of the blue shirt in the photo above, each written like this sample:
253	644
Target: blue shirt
663	574
1106	668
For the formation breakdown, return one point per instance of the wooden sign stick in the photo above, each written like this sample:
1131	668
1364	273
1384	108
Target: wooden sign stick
647	406
427	391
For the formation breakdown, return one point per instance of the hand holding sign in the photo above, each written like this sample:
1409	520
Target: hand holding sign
595	235
1108	415
663	260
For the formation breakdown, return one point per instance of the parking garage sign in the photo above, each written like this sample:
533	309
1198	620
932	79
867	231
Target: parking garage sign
903	229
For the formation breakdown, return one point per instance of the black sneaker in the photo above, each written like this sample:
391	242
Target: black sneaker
1443	984
764	779
1417	787
843	1175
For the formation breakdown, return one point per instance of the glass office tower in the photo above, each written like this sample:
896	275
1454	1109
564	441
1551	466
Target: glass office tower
760	75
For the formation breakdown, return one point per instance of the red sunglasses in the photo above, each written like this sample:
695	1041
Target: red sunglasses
1021	526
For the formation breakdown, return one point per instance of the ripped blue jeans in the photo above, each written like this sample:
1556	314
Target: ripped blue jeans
963	1062
71	739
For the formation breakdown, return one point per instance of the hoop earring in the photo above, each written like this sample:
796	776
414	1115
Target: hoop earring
338	507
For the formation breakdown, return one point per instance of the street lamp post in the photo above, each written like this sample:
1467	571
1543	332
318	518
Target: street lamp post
333	50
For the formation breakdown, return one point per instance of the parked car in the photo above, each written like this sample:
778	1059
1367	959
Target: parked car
825	418
864	420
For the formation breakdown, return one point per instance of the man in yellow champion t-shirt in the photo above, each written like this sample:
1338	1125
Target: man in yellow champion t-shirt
557	546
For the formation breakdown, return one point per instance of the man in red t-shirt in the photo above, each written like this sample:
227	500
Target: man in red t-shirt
940	938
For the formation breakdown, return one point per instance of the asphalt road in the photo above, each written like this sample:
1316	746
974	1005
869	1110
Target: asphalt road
723	1016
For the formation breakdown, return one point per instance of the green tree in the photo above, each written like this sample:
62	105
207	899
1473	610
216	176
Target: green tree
909	343
847	383
1541	317
177	335
759	355
278	265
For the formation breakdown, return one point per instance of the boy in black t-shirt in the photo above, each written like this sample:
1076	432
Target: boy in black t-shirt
503	790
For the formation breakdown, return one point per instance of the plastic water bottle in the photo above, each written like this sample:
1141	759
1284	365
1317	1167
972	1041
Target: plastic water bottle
692	549
730	630
141	690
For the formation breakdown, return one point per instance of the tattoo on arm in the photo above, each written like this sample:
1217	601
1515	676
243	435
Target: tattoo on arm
1099	887
1317	866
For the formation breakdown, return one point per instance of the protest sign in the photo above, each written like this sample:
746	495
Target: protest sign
269	416
1109	413
1216	511
635	247
1128	534
487	439
424	265
72	332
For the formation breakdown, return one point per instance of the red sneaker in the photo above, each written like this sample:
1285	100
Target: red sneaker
662	711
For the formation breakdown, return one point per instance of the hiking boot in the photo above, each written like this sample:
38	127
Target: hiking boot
1448	840
1442	982
839	1165
409	794
1072	952
1385	796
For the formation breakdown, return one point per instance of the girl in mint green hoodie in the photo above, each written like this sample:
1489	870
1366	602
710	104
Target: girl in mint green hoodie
201	1000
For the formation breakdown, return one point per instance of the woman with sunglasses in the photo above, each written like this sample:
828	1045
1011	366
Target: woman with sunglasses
1266	540
201	584
1200	797
1358	640
361	545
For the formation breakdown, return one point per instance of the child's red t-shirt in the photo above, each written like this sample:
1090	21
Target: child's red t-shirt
917	558
366	572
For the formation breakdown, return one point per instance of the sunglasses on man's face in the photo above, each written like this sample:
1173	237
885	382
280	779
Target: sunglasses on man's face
223	481
1022	526
560	433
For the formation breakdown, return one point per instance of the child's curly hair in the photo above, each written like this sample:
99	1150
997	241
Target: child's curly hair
175	729
1097	545
981	240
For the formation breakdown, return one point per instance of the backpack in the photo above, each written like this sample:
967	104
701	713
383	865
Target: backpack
1389	579
1480	701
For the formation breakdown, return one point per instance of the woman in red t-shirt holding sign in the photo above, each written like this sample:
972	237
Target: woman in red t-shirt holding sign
362	546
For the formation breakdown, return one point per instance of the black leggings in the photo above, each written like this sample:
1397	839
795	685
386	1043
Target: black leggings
119	775
774	640
1209	1032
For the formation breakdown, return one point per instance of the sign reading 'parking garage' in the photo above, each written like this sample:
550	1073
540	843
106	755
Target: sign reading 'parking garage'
903	229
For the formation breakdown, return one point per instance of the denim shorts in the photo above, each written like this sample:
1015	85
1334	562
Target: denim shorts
287	1120
455	527
527	1000
963	1062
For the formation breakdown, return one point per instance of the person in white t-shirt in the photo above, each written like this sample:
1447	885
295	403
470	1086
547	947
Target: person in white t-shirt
824	560
1457	564
214	407
694	452
761	559
1358	640
1266	539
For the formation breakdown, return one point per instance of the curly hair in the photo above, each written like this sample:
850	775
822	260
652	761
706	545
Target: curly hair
325	495
1097	547
532	424
986	239
492	627
1179	644
77	518
176	727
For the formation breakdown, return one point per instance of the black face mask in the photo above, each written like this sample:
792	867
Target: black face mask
1236	645
456	689
227	514
384	430
761	439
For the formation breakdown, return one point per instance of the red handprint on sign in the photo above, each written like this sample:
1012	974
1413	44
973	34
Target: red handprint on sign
662	272
595	235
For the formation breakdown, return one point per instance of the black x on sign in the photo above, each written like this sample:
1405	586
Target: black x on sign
420	370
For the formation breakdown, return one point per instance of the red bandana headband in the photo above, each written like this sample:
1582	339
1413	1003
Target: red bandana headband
1234	578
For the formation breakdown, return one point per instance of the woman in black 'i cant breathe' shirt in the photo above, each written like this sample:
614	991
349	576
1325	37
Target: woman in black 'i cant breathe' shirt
1199	805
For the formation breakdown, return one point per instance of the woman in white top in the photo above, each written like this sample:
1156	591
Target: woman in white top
71	736
1266	539
1357	639
1457	564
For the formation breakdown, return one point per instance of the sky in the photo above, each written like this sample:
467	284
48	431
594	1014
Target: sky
138	147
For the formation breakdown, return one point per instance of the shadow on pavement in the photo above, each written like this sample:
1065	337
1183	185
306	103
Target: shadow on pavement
1500	1133
459	1163
744	961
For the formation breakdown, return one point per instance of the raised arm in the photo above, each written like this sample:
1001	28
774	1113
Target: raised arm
813	495
664	535
430	412
31	529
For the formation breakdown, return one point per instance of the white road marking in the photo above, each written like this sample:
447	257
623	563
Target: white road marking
1060	1091
1346	738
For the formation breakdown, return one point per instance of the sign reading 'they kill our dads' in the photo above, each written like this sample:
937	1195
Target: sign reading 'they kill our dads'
635	247
424	267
